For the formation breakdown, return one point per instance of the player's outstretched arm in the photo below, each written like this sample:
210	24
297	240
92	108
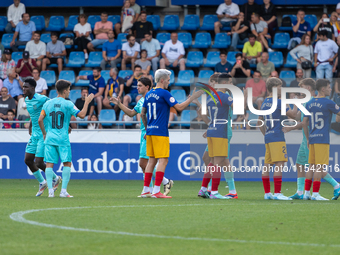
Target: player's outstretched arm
83	112
185	104
81	77
125	109
144	119
292	113
262	128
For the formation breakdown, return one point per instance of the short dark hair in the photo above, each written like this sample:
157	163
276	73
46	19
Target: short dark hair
147	33
10	110
136	66
146	82
54	34
323	33
238	55
62	85
251	36
223	52
320	83
223	77
257	71
143	12
129	36
22	15
31	82
98	68
37	32
300	10
35	69
84	88
256	14
143	51
105	13
308	82
273	82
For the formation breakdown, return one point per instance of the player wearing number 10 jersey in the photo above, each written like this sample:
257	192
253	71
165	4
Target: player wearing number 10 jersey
58	112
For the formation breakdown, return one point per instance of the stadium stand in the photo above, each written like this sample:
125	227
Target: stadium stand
172	77
204	75
231	57
290	62
185	78
276	57
68	75
94	60
83	82
49	76
125	73
114	19
179	95
122	38
46	38
74	95
155	20
186	116
93	19
57	23
191	22
162	38
76	59
53	94
107	115
208	22
39	22
171	22
72	21
16	56
105	74
3	23
281	41
6	40
186	39
194	59
222	41
202	41
287	76
213	58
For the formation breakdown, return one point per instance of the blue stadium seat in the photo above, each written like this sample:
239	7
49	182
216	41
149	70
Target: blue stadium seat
57	23
121	114
106	75
92	19
277	58
281	41
107	115
171	22
194	59
312	20
222	41
3	23
53	94
76	59
179	95
84	82
46	38
95	58
191	22
114	19
202	41
39	22
16	56
49	76
287	76
125	73
70	35
204	75
6	40
74	95
186	39
188	115
208	22
292	18
185	78
162	38
122	38
290	62
231	57
172	77
213	58
155	20
67	75
72	21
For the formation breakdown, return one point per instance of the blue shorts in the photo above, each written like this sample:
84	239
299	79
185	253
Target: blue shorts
303	153
36	146
142	147
229	138
133	96
97	42
53	152
226	23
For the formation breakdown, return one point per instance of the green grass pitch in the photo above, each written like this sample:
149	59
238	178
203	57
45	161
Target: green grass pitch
106	217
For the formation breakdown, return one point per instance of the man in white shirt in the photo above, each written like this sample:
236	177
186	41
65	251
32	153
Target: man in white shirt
173	53
14	15
41	87
37	49
325	52
131	51
227	13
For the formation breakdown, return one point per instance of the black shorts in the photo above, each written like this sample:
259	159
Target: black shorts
53	60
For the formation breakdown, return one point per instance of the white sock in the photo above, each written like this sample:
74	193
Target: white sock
276	194
165	181
50	190
315	193
300	192
146	189
151	189
204	189
156	189
337	186
214	192
233	191
307	192
63	191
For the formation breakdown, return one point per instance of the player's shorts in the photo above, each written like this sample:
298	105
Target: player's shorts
218	147
319	154
275	152
302	156
142	147
229	138
53	152
36	146
157	146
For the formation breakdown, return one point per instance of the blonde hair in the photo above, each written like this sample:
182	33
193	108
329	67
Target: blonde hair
161	74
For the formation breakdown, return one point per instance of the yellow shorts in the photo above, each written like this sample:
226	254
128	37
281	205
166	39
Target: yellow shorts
275	152
319	154
218	147
157	146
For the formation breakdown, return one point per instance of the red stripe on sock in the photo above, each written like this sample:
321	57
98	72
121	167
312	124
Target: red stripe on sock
308	184
147	179
159	178
266	184
277	184
316	186
216	178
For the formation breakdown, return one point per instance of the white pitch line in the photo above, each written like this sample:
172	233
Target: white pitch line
19	217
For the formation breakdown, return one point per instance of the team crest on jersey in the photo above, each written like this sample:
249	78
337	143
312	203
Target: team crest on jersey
337	107
230	99
172	100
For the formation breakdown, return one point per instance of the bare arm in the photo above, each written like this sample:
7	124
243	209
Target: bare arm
83	112
126	110
296	27
185	104
255	33
99	93
144	119
43	92
243	29
292	113
129	81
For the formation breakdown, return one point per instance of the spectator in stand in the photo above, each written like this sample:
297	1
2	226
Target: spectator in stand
36	49
300	27
265	67
239	32
241	70
6	103
276	75
131	51
335	23
325	52
127	17
249	8
14	15
260	29
101	28
258	89
324	24
173	53
252	50
96	86
2	48
153	49
93	126
227	13
299	77
25	30
41	87
241	119
114	88
55	52
144	64
224	66
14	85
11	117
137	10
131	83
82	31
268	14
111	51
302	53
80	104
336	67
1	84
142	27
25	66
6	64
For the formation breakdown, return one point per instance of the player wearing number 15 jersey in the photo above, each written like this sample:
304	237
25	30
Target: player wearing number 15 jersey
58	112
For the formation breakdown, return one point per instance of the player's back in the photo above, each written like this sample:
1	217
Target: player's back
34	107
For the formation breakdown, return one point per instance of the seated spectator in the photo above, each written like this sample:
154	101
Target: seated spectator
14	85
144	64
336	67
101	28
25	66
224	66
1	84
6	103
249	8
299	77
324	24
6	63
252	50
36	49
11	117
127	17
93	126
14	15
131	51
136	8
80	104
2	48
336	92
300	27
55	52
302	53
153	49
173	53
227	13
96	86
335	23
114	88
268	14
142	27
111	51
239	32
241	70
265	67
276	75
131	83
260	29
41	87
258	89
82	31
25	30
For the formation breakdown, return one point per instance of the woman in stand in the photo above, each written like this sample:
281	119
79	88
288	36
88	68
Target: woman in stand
303	52
335	23
6	64
82	31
